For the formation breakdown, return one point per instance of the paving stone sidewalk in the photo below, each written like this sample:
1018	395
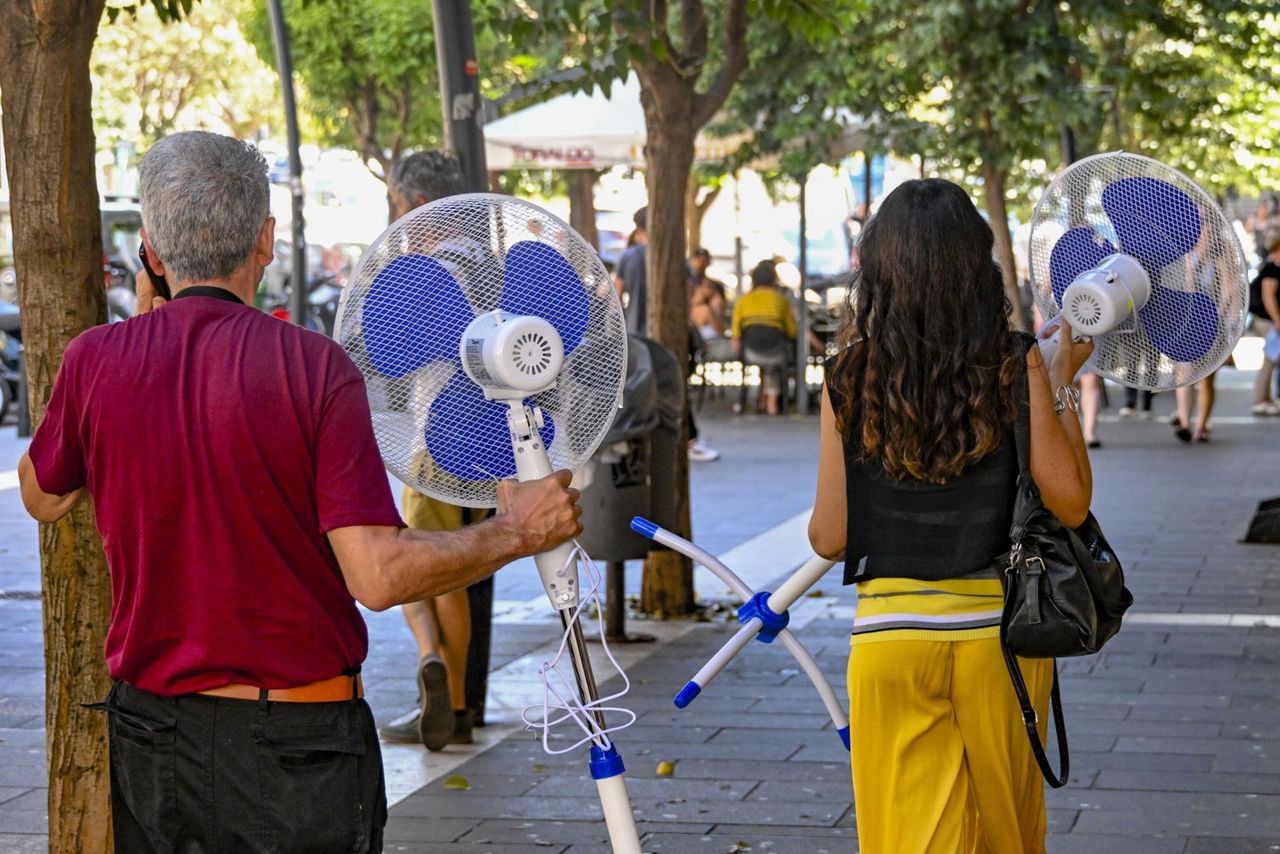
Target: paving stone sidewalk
1174	731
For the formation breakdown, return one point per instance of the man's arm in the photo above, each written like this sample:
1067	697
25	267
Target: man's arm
43	506
386	566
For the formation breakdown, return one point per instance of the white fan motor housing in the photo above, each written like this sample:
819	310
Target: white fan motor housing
1101	299
511	355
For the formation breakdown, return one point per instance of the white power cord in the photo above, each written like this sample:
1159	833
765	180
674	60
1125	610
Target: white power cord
560	696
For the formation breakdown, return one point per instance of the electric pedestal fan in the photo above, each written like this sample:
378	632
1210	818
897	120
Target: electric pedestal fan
1134	254
493	345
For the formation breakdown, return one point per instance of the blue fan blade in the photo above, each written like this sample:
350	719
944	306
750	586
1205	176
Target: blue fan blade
539	281
1184	326
1155	222
414	314
467	435
1078	250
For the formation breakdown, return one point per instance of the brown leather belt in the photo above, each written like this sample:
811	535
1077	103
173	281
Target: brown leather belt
333	690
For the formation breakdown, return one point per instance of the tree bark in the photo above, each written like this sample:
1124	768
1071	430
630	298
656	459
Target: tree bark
582	204
667	586
695	210
993	187
49	151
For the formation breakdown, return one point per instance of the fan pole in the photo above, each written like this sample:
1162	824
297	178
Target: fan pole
559	574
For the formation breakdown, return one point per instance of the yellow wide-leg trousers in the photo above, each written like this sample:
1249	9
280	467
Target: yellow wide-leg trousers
941	763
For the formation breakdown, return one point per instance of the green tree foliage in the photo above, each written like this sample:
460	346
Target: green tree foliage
688	55
368	71
1192	84
152	77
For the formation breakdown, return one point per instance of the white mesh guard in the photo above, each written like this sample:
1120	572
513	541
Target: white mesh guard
1215	268
469	236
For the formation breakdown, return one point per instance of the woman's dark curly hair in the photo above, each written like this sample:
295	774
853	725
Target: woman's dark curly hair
927	375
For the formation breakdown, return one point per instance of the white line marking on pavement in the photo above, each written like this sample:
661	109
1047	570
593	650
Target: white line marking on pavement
8	480
758	561
761	559
1235	621
409	767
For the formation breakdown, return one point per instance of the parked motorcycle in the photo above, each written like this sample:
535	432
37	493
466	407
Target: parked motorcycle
10	357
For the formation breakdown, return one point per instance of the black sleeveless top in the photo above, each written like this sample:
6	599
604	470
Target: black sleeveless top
922	530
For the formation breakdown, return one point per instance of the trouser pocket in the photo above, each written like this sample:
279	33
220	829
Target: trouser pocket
143	770
310	772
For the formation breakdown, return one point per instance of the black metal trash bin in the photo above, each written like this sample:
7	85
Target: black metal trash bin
618	479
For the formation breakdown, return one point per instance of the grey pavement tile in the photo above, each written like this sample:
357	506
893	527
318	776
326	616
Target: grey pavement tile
505	785
749	842
23	843
781	813
767	737
744	749
759	717
641	733
1093	843
802	790
537	833
34	821
1236	845
724	769
1223	748
434	829
1189	781
1142	761
9	794
1178	814
466	805
463	848
1086	725
651	788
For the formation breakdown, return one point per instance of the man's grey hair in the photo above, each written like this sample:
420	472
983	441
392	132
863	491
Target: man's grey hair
428	176
204	199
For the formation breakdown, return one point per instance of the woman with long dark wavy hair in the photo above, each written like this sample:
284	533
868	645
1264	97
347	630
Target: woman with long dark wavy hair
915	492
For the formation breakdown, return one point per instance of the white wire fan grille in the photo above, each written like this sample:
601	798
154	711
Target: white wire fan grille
402	318
1134	205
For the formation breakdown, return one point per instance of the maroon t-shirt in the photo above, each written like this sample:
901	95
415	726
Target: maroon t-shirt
220	445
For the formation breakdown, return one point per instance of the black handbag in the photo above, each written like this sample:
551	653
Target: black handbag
1064	592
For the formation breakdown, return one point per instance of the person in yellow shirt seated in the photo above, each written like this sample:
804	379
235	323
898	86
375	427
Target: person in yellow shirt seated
765	305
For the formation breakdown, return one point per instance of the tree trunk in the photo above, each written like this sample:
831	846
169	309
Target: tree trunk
695	210
57	235
667	586
582	204
993	186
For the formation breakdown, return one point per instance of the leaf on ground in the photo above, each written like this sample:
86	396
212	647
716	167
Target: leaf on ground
815	594
457	782
665	768
540	768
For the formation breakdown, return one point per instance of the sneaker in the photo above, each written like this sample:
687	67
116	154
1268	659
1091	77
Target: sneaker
1146	415
700	452
402	730
1266	407
435	718
1128	412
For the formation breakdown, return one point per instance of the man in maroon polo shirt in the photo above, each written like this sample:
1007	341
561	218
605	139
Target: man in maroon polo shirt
240	541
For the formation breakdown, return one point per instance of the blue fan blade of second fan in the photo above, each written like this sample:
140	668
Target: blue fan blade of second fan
1158	224
467	435
541	282
1155	222
1078	250
415	314
1183	326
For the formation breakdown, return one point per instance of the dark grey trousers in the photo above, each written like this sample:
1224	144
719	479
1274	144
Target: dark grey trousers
206	774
